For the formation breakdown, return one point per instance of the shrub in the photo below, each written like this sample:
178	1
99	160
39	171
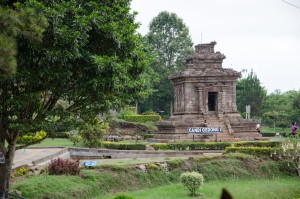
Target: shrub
146	136
124	146
258	144
149	113
268	134
28	139
191	146
63	167
92	132
175	163
22	171
123	197
126	111
142	118
192	181
75	138
251	150
160	146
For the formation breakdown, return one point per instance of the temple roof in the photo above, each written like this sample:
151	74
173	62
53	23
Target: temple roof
206	62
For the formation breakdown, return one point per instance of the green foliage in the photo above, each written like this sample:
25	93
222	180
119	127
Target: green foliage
169	38
126	111
142	118
31	139
152	166
192	181
278	109
22	171
124	146
146	136
86	54
76	139
176	163
25	21
265	151
290	150
93	132
122	196
191	146
113	179
149	113
160	146
257	144
250	92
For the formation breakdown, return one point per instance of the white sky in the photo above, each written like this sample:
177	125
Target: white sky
263	35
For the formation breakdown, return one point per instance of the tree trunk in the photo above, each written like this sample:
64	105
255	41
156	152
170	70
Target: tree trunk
6	169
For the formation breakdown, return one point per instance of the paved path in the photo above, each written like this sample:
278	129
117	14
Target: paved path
26	156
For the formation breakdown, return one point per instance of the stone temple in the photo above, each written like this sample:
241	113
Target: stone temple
205	96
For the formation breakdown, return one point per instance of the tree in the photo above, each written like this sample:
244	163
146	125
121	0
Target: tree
89	56
169	38
279	108
250	92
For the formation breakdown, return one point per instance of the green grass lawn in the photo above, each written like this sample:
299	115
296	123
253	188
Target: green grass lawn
56	142
240	189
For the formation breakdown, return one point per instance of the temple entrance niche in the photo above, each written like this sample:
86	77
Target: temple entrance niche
212	101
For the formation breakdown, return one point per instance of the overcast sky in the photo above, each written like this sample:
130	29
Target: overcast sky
259	35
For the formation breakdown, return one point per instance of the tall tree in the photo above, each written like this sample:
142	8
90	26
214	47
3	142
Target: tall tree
170	38
90	56
250	92
285	105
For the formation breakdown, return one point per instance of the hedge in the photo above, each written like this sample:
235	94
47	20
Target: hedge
251	150
146	136
191	146
124	146
142	118
257	144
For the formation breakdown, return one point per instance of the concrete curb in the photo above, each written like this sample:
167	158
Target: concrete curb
91	153
50	157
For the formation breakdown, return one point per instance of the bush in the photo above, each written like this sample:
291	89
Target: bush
191	146
123	197
22	171
63	167
160	146
28	139
251	150
257	144
124	146
92	132
142	118
192	181
146	136
268	134
126	111
75	138
149	113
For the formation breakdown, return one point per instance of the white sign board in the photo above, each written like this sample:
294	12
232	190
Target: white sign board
90	163
2	158
205	130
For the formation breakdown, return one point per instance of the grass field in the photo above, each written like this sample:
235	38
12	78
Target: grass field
56	142
240	189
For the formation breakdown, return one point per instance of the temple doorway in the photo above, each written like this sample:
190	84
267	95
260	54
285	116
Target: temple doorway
212	101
